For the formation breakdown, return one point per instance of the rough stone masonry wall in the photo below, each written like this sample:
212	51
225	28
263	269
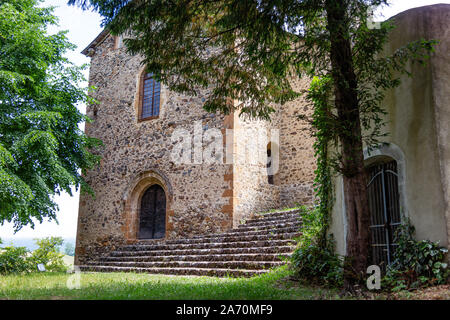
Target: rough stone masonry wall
198	196
252	192
201	198
293	182
297	161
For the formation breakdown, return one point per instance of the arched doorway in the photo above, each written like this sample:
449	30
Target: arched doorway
152	217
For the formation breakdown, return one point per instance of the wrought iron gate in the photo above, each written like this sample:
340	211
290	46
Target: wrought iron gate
384	207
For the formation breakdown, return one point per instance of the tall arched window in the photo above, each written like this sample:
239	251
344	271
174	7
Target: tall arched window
384	206
149	97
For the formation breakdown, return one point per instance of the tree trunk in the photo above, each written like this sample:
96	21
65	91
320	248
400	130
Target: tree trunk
345	90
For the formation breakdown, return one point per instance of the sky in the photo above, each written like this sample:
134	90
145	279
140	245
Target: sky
83	27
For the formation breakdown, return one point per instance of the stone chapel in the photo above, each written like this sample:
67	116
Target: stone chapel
152	213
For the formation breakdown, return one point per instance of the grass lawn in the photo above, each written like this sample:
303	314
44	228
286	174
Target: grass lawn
121	286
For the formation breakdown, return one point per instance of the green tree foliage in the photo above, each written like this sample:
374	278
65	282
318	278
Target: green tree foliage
48	254
42	148
248	50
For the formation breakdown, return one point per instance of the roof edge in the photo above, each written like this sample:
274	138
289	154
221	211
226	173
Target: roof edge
421	8
88	51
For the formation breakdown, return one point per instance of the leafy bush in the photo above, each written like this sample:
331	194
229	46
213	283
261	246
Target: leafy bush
48	254
416	263
317	265
20	260
314	258
14	260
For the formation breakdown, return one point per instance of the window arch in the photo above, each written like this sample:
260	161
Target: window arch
150	97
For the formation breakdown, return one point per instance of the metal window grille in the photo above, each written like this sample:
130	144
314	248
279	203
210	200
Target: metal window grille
384	211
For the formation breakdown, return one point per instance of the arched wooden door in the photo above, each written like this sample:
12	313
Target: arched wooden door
152	218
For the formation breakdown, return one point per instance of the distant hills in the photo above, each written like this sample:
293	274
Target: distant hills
29	242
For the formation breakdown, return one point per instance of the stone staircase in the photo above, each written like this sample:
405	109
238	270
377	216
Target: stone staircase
253	248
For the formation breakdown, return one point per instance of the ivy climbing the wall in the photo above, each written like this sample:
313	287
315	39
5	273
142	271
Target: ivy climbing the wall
314	258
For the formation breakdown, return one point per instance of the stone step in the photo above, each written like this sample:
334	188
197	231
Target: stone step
238	237
253	248
254	265
202	257
274	226
209	245
176	271
268	222
289	228
205	252
273	219
275	215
